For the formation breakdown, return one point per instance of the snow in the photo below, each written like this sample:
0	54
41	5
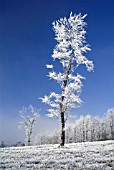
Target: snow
79	156
49	65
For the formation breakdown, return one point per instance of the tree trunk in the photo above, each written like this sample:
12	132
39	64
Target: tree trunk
62	129
61	104
28	141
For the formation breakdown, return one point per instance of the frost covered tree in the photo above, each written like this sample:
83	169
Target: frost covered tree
29	116
110	122
70	48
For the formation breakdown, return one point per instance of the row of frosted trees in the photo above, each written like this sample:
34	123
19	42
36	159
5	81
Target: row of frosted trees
86	128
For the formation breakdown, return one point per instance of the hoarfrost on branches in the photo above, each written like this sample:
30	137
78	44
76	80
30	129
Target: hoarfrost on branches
70	49
49	66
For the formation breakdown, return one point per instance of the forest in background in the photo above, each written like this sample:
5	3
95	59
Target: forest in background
85	129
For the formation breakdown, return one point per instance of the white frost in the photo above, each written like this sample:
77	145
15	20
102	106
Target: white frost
80	156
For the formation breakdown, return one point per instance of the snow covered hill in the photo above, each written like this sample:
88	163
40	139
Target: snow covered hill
79	156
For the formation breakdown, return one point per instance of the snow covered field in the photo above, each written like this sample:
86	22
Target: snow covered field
80	156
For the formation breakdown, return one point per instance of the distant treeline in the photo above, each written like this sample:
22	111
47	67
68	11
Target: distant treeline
86	128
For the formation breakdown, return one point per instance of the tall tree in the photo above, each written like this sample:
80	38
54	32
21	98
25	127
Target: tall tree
70	48
29	116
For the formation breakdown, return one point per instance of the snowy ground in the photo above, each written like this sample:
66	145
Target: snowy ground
80	156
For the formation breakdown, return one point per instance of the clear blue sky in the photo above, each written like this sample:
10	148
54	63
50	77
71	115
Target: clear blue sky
26	45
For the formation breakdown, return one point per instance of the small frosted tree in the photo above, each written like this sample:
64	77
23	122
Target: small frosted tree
70	48
29	116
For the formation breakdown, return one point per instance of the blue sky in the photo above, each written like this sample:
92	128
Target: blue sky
26	46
